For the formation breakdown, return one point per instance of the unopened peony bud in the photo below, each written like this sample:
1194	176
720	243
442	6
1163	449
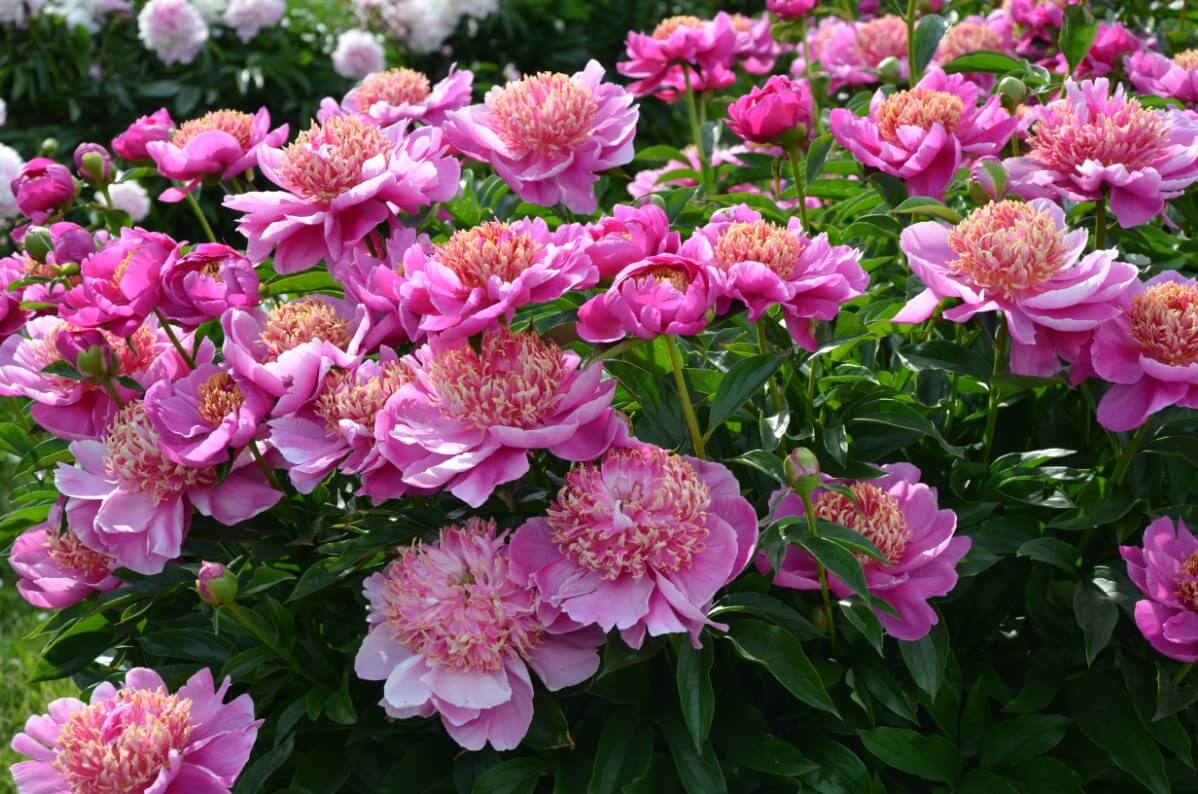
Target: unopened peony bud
42	187
89	353
38	243
1013	92
890	70
216	584
93	163
802	471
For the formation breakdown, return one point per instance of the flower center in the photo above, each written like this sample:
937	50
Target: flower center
38	269
1187	59
133	355
119	746
1164	320
1122	133
455	603
668	26
879	39
875	514
919	107
545	113
132	456
760	241
392	87
741	23
1007	247
68	552
292	324
636	512
490	249
234	122
358	396
1186	584
676	277
326	160
219	397
513	381
967	37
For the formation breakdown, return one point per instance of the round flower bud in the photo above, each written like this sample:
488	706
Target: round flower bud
216	584
1013	91
802	471
890	70
38	243
93	163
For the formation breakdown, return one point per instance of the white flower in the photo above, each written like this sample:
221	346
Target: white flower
15	12
130	197
87	14
211	10
10	166
3	113
173	29
358	54
247	17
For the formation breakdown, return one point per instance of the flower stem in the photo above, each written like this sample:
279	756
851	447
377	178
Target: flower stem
1129	454
112	392
170	334
250	622
1000	354
1100	224
809	512
697	133
684	397
199	213
795	155
912	72
1182	672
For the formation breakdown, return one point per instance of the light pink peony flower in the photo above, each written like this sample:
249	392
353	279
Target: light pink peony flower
120	286
549	135
1175	78
1021	260
470	419
639	541
403	94
12	316
481	276
340	180
131	144
172	29
790	9
1095	144
681	50
662	294
1038	21
629	235
756	50
901	516
374	283
453	632
1165	570
761	265
247	17
43	186
974	34
850	53
55	569
131	502
201	284
923	135
139	739
358	53
220	144
1111	47
771	111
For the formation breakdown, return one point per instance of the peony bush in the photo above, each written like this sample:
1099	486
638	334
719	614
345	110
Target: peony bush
801	399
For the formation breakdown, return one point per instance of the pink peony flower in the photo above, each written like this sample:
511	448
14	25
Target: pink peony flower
756	50
55	569
770	112
922	135
681	50
761	265
900	515
974	34
1166	571
549	135
790	9
203	283
42	187
172	29
1094	144
72	243
470	419
139	739
358	53
128	500
247	17
662	294
403	94
340	180
1111	46
481	276
12	316
639	541
374	283
1175	78
120	286
629	235
1038	20
1021	260
850	53
131	144
221	144
454	632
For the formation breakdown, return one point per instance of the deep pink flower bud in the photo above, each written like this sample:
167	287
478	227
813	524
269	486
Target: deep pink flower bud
201	284
767	113
216	584
89	352
790	9
802	471
131	144
93	163
72	243
43	186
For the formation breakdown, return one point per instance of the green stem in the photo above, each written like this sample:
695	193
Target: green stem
912	72
697	132
170	334
1100	224
795	155
251	625
1000	355
763	345
1129	454
1182	672
684	397
199	213
112	392
266	469
809	511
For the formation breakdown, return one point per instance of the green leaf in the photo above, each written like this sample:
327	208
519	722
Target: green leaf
517	776
817	155
782	654
922	205
1047	776
742	381
62	369
1097	615
930	757
928	33
304	283
253	779
1078	31
765	606
1106	715
838	560
1022	738
549	730
1052	551
741	735
193	644
660	154
767	463
926	658
625	752
699	772
693	677
977	781
983	61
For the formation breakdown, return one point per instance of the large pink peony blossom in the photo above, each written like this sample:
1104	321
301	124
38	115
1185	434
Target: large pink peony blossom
54	569
1021	260
549	135
681	51
639	541
756	50
42	187
120	287
769	112
923	135
1165	569
469	420
202	283
851	52
12	317
761	264
1097	144
139	739
340	180
374	282
403	95
629	235
661	294
481	276
901	516
453	632
1112	45
1174	78
992	33
172	29
131	144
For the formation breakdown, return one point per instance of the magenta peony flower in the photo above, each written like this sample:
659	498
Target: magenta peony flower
201	284
481	276
682	50
922	135
761	265
850	53
120	286
629	235
756	50
1095	144
453	632
1175	78
43	186
358	53
639	541
790	9
1111	46
172	29
55	569
131	502
340	180
470	419
900	515
374	283
139	739
770	112
662	294
12	316
131	144
403	94
72	243
549	135
1038	19
1021	260
1166	571
221	144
